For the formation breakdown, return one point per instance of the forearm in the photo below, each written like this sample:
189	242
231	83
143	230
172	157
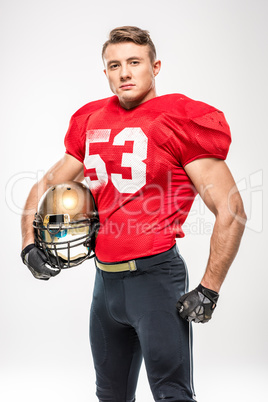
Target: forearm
29	211
224	244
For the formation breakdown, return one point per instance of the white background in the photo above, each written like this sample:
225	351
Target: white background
211	50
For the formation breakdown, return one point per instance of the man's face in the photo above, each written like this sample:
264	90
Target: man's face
131	73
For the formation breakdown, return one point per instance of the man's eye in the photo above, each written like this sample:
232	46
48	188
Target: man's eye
113	66
135	62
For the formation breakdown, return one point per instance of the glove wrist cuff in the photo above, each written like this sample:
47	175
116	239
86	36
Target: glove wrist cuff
210	294
26	250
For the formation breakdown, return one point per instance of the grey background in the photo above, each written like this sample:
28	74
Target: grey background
211	50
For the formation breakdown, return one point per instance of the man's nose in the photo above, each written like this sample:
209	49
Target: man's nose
125	72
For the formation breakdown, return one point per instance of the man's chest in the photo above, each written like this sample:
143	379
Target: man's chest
127	153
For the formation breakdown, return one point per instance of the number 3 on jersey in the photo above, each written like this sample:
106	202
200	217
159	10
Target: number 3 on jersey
132	160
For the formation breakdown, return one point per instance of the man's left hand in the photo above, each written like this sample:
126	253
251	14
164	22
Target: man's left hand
198	305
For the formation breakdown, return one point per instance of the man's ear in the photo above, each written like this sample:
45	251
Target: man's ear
105	72
156	67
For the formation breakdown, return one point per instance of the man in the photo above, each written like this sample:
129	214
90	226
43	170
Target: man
145	158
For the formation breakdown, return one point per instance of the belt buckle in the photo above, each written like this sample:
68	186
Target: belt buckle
132	265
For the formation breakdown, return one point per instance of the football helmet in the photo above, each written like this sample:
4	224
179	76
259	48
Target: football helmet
66	224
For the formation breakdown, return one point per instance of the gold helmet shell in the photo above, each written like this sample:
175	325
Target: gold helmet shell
66	224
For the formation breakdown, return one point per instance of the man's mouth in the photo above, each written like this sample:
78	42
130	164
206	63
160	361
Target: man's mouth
127	86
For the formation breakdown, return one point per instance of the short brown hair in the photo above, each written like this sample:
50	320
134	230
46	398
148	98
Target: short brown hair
131	34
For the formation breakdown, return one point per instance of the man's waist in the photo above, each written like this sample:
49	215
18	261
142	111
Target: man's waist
131	265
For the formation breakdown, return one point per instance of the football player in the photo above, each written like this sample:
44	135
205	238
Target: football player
144	158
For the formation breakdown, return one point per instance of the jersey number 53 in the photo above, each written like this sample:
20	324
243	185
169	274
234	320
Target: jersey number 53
132	160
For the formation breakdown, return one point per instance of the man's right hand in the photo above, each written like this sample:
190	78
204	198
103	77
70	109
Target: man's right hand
37	262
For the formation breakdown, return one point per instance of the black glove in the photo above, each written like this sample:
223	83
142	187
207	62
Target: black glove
37	262
198	305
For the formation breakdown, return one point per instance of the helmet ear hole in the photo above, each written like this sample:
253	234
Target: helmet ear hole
66	223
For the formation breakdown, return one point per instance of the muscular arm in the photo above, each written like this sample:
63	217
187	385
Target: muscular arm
216	186
67	168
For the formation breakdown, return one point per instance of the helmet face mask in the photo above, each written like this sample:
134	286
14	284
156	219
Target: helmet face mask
66	224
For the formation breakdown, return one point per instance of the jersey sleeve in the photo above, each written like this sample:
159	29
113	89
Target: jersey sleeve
205	136
74	141
75	137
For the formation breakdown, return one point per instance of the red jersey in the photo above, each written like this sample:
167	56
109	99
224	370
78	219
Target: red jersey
134	165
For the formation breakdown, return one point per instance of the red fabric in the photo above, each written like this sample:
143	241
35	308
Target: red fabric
134	163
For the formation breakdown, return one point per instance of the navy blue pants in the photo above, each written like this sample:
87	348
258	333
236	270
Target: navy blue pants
134	316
